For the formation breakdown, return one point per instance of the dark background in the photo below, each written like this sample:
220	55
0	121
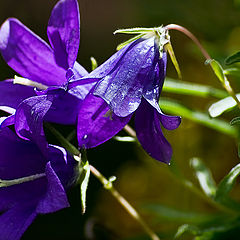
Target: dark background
140	178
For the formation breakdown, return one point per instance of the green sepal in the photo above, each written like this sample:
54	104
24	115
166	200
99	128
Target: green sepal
84	170
134	30
169	49
122	45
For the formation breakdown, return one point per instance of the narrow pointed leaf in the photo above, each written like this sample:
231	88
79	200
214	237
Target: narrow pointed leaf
227	183
204	177
217	108
160	211
193	89
235	120
233	59
175	108
186	228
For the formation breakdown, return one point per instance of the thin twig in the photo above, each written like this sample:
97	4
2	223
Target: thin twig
128	207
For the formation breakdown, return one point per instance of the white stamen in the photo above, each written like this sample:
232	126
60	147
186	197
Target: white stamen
28	82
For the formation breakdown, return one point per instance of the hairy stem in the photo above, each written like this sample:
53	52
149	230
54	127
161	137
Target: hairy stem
191	36
226	83
108	185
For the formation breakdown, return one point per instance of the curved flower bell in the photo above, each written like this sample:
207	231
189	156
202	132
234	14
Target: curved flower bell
46	67
129	81
31	182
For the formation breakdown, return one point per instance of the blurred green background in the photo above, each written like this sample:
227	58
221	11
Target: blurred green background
141	179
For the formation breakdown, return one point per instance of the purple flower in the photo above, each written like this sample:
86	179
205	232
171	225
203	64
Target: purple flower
130	81
52	173
49	67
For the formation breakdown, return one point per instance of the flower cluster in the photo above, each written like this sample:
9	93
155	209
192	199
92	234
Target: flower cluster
53	87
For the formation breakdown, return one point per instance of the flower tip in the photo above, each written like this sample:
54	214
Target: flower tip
4	34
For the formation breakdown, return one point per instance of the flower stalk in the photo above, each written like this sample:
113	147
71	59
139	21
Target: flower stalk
226	84
128	207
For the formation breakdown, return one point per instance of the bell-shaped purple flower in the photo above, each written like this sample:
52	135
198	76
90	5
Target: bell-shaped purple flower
33	58
31	182
47	67
130	81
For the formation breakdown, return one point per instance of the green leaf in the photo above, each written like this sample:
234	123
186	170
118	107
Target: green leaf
94	63
186	228
204	177
232	71
175	215
175	108
233	58
218	70
226	230
217	108
227	183
193	89
235	120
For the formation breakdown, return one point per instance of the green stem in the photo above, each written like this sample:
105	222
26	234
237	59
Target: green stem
64	142
8	183
106	183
